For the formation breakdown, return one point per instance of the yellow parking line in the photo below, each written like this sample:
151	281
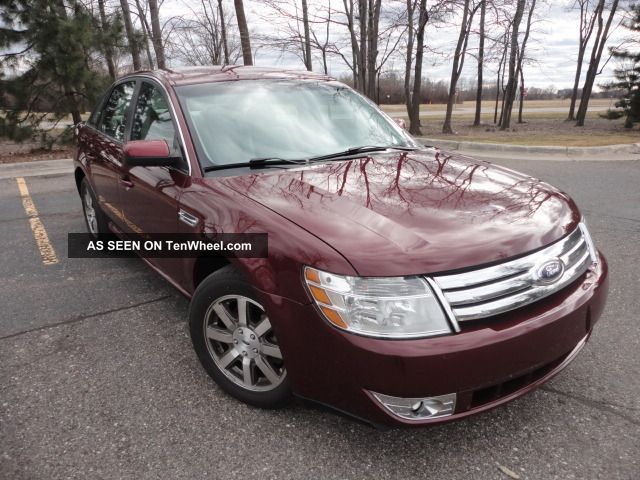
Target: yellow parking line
47	252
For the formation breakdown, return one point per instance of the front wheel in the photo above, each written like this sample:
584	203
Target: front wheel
235	341
94	218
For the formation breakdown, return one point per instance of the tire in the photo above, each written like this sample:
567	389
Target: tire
240	352
94	218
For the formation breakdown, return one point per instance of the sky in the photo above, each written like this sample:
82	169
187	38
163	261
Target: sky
553	47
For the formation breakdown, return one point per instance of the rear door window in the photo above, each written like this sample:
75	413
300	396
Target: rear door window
113	121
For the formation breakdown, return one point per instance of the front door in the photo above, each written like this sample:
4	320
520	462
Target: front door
149	195
107	148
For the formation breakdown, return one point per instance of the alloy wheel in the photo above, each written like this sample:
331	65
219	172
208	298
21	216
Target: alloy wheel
242	343
90	212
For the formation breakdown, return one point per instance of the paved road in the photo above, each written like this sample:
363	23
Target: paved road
98	378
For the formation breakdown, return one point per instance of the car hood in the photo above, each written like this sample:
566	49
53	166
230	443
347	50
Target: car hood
418	212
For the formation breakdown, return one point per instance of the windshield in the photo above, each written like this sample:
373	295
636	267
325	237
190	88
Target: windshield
234	122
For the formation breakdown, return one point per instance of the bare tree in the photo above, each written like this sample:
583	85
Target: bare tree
131	35
293	30
521	57
362	21
223	33
108	50
324	45
373	26
483	15
468	13
414	112
512	83
414	115
502	66
146	32
245	40
587	22
199	39
602	36
156	33
307	36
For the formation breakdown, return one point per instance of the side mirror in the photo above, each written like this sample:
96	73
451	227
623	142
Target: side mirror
148	153
400	122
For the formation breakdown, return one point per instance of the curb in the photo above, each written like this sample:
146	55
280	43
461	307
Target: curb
37	168
612	152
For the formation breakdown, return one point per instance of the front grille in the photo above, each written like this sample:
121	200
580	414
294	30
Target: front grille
490	291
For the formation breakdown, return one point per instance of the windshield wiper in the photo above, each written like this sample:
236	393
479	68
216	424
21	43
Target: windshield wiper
265	161
268	161
253	163
357	150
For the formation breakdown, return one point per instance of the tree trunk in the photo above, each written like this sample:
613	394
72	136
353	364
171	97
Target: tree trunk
245	40
414	123
223	33
500	77
146	32
307	37
458	63
423	18
355	50
131	36
483	13
521	96
156	34
372	46
362	60
512	83
587	22
108	50
521	57
576	86
601	39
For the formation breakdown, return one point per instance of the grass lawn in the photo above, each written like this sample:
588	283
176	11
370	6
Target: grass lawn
544	124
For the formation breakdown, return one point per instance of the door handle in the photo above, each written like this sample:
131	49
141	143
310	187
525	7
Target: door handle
126	183
187	218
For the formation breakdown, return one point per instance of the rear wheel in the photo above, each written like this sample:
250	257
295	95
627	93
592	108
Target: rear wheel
94	218
235	341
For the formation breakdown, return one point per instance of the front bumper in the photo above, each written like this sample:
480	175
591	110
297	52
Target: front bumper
488	363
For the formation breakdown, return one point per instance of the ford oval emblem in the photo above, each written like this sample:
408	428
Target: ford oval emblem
550	271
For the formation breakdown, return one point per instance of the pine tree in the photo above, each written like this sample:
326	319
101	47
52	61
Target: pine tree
52	47
628	76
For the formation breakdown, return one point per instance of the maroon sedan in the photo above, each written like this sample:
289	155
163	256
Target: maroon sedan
403	285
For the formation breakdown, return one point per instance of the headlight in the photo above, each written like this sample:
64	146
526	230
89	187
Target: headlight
389	307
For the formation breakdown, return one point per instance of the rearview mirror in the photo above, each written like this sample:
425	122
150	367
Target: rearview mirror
148	153
400	122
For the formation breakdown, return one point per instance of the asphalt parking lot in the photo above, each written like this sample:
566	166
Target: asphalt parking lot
98	378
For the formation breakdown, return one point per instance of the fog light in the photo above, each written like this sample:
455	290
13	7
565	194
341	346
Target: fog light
418	408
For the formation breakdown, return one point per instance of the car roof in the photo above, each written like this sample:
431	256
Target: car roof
219	73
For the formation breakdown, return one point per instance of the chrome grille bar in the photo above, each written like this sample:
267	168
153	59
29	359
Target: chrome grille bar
489	291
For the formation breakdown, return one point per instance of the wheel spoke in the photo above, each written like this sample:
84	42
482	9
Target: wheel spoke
224	316
271	350
266	369
247	374
228	357
219	335
242	311
263	327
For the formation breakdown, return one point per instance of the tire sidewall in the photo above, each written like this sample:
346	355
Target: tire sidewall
227	282
101	221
